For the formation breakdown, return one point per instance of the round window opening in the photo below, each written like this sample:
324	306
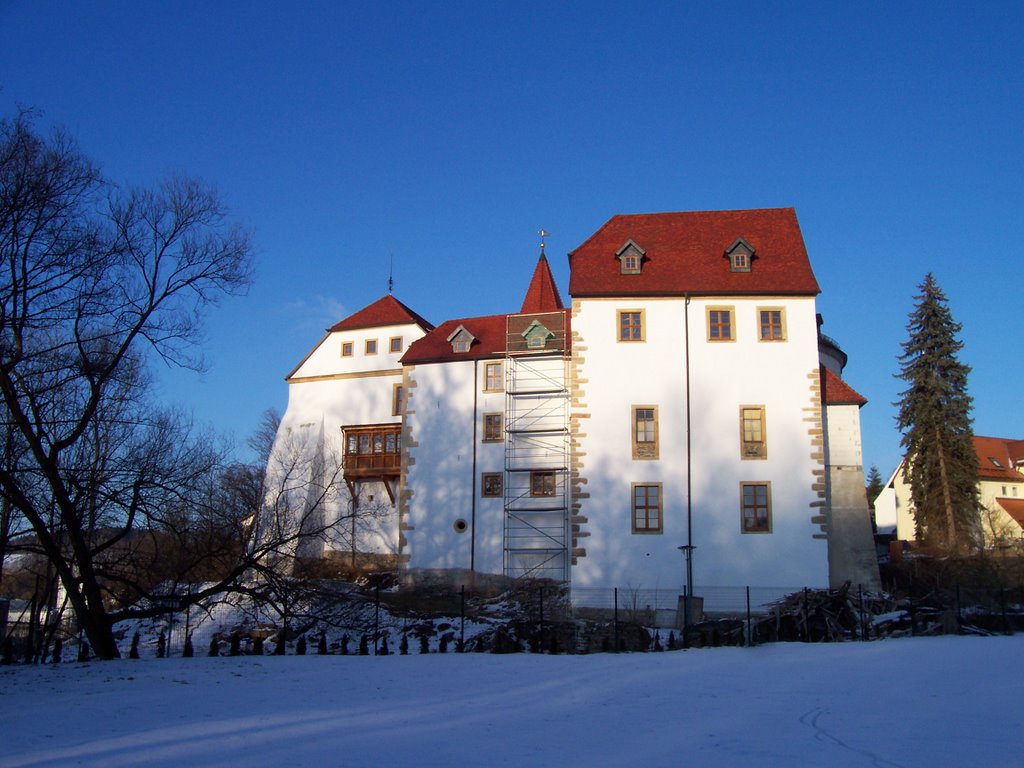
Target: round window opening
460	526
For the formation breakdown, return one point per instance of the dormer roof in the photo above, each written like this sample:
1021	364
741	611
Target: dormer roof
386	311
684	253
542	295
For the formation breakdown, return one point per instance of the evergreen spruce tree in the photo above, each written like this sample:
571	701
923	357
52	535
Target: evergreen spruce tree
873	487
940	464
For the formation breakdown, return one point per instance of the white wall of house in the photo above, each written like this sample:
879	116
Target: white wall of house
613	376
326	392
446	455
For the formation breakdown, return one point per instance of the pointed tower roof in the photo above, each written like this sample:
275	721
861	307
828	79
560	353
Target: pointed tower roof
385	311
542	295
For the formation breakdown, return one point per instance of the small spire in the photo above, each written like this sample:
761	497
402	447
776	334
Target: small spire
391	274
543	233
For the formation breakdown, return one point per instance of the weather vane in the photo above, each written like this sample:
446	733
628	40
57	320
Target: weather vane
543	233
391	274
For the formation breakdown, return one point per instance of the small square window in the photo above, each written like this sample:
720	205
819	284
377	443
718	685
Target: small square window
493	427
492	484
740	262
346	349
755	508
542	483
493	380
631	263
772	324
646	508
395	344
631	325
720	324
371	346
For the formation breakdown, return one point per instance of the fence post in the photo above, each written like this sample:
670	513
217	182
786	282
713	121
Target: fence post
376	619
686	616
750	631
959	615
462	620
1002	606
806	629
541	642
615	614
863	618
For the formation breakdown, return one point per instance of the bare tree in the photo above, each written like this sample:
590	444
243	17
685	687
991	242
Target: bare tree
95	280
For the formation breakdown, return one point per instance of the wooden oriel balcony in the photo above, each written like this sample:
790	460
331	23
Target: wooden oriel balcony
373	451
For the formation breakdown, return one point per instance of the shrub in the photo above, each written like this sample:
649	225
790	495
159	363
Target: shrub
384	646
403	645
364	646
83	651
58	650
424	644
236	646
300	646
321	646
344	645
442	647
188	651
161	645
214	647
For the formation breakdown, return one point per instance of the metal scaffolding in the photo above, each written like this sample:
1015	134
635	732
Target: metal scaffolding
537	398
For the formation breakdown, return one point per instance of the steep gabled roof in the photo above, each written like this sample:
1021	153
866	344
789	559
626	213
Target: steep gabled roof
835	391
542	295
685	253
385	311
1006	452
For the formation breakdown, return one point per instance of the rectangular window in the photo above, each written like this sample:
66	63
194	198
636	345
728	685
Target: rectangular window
772	324
720	324
371	346
395	345
493	377
756	507
492	484
647	508
492	427
631	325
346	349
753	443
542	483
645	432
397	400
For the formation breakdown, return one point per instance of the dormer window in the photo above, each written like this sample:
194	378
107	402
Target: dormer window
537	335
461	340
631	258
740	255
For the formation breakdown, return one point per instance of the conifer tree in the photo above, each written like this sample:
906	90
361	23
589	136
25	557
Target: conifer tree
873	487
941	466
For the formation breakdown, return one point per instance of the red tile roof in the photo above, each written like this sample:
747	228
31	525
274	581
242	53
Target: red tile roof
490	340
835	391
385	311
1006	452
685	253
542	295
1014	508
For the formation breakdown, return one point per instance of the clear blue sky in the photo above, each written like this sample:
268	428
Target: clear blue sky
444	135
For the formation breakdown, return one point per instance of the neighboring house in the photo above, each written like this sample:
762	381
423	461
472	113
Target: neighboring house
1000	487
685	398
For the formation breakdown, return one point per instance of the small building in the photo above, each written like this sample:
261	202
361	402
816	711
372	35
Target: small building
1000	489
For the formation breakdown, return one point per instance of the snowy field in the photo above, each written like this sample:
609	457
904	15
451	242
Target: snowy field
947	701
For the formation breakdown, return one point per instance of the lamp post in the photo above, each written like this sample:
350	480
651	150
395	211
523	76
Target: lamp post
687	550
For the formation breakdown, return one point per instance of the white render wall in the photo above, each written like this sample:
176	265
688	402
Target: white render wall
445	456
325	393
613	376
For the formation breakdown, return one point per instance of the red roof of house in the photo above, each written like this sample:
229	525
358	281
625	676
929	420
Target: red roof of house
686	253
1014	508
835	391
542	295
383	312
490	340
1006	452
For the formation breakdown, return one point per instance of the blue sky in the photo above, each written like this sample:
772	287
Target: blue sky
444	135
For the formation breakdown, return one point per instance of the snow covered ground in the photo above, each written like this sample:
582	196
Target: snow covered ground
946	701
